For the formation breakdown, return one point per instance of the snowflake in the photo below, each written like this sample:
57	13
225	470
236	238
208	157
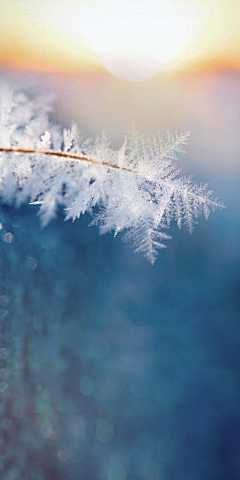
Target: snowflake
137	188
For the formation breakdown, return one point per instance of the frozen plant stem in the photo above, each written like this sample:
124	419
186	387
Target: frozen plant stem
68	156
137	188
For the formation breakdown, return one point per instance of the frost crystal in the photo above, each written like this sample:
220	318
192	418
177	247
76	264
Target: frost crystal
137	188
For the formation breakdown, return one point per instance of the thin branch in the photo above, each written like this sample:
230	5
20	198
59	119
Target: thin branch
71	156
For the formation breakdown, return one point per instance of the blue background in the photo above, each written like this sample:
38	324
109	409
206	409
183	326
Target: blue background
160	343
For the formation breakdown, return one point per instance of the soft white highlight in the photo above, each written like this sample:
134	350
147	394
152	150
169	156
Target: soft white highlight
137	188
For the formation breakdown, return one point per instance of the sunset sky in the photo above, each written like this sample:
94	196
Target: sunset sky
160	63
89	35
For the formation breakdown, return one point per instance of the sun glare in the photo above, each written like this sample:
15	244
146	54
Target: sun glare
134	46
132	39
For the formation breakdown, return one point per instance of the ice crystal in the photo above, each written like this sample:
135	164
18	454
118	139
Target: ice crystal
137	188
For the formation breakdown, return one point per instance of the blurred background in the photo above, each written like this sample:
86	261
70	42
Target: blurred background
110	368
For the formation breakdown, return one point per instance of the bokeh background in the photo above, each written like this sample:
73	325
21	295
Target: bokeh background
110	368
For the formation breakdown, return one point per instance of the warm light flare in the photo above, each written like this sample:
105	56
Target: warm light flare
134	46
132	40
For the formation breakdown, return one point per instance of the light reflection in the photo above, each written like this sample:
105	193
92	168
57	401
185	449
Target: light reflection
66	455
117	472
135	56
4	353
48	243
18	291
43	410
3	373
37	324
3	386
4	300
45	394
31	263
46	429
12	366
57	432
8	237
13	473
3	313
105	430
18	353
86	386
119	457
7	423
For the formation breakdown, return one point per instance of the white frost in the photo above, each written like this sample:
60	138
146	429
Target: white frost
143	195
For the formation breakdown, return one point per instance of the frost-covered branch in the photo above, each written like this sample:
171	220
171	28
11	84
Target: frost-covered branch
136	188
68	156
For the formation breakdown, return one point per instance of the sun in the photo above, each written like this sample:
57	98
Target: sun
134	46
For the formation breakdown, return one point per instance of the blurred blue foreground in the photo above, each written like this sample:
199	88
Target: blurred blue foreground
111	368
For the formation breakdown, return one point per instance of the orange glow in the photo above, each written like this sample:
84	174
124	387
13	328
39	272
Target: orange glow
55	36
16	57
27	58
